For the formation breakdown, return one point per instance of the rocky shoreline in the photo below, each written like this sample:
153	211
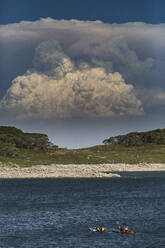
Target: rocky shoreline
74	170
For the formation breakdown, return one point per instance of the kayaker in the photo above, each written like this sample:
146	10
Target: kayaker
98	229
127	229
121	228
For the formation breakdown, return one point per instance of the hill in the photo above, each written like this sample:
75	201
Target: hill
156	137
12	139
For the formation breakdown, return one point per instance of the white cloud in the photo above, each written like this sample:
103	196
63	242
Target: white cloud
61	81
90	92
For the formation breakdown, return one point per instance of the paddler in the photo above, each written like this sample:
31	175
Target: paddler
96	228
126	229
102	229
121	228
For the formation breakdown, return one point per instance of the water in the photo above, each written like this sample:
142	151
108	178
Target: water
58	212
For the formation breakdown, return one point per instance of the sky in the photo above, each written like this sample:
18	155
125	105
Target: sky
82	71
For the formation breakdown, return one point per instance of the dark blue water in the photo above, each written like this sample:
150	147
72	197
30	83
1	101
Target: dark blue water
58	212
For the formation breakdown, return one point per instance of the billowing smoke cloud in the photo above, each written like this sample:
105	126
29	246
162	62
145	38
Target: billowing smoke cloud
133	49
81	68
55	88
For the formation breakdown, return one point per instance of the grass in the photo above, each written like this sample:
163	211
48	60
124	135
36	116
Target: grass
92	155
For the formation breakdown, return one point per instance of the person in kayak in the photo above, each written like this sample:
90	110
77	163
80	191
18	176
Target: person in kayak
126	229
102	229
121	228
96	228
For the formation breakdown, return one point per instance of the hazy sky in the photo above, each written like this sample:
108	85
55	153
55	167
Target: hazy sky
82	71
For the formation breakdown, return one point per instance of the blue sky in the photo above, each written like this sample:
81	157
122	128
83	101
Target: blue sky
119	11
82	71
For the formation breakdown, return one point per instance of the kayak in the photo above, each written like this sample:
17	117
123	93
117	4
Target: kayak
124	232
127	232
103	231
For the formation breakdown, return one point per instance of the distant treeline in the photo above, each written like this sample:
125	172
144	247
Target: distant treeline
156	137
12	139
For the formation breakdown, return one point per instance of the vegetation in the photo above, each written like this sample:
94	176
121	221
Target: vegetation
24	149
156	137
11	139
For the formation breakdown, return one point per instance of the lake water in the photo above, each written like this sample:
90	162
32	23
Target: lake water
58	213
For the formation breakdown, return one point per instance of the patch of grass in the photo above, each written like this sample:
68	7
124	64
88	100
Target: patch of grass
92	155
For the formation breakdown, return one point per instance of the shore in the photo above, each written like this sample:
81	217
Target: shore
75	170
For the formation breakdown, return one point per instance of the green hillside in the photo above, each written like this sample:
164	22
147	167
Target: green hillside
26	149
12	139
156	137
